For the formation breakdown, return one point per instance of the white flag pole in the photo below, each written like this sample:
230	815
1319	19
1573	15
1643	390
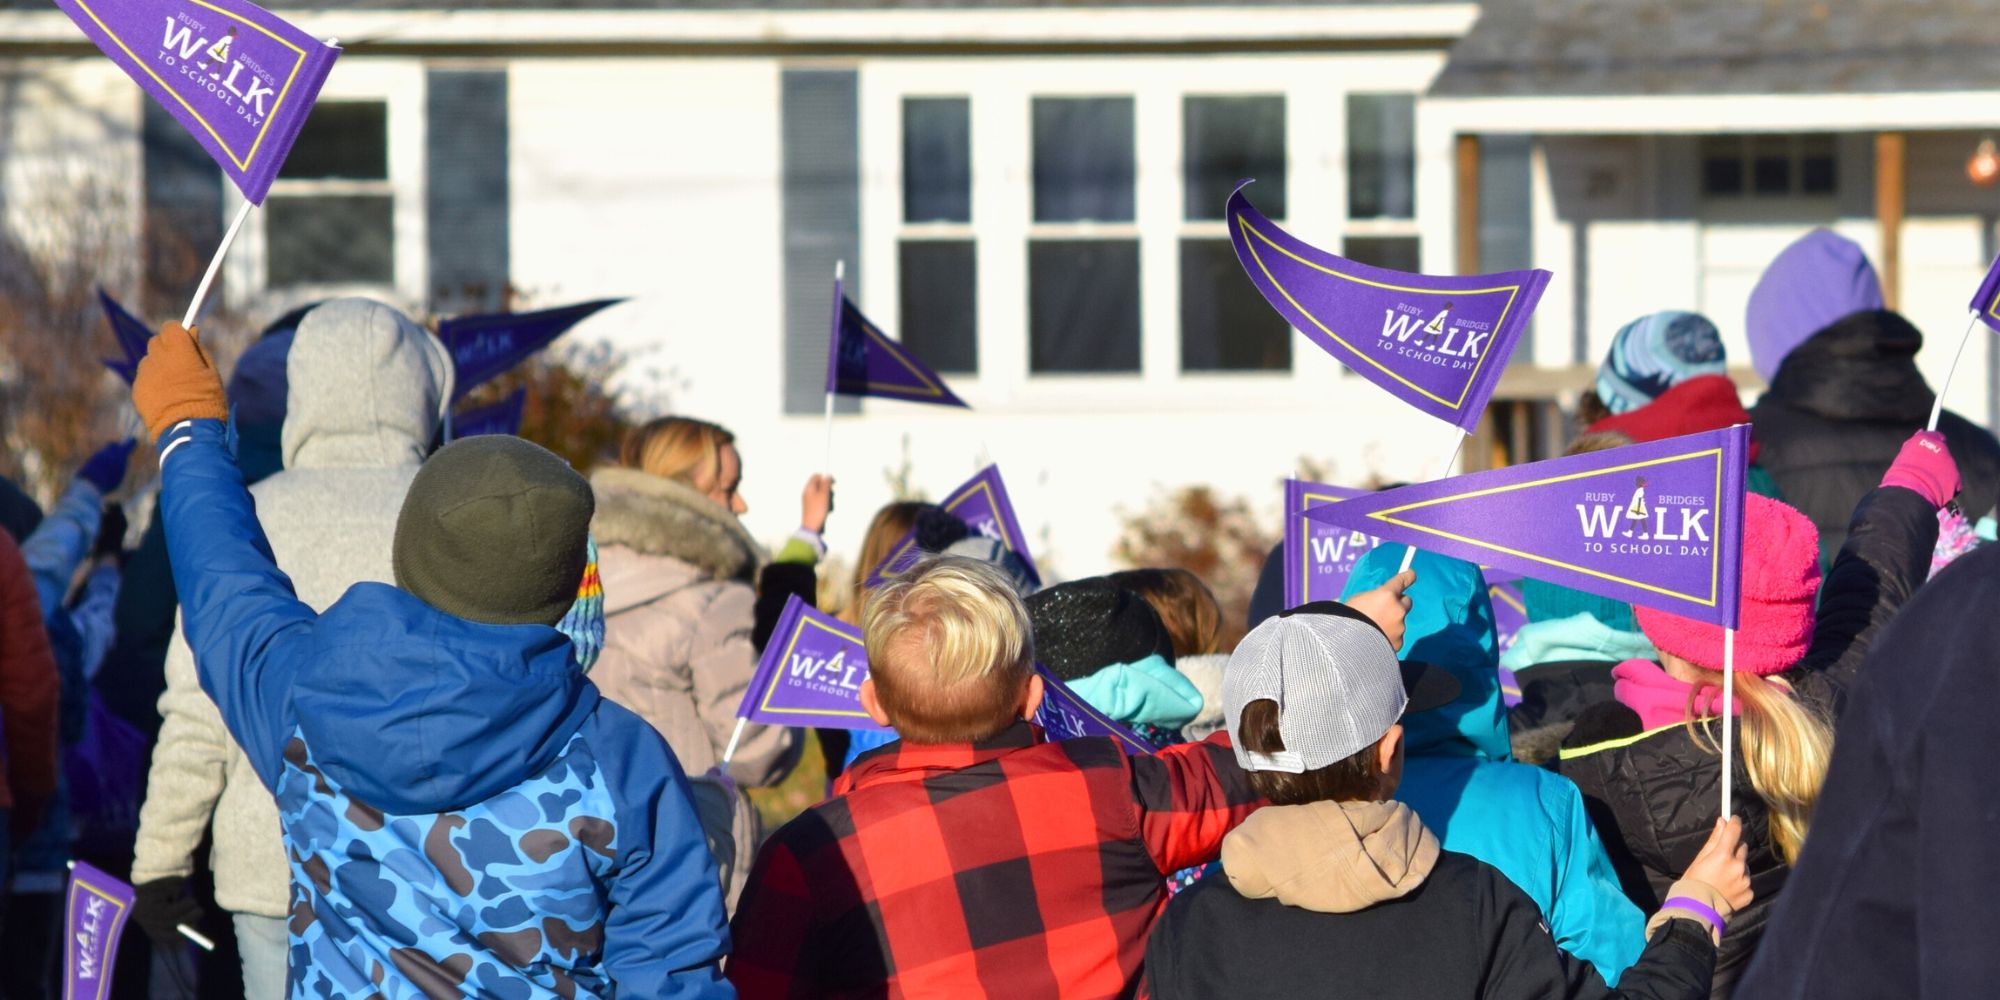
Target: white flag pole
1410	551
1728	718
833	358
215	265
735	737
1937	408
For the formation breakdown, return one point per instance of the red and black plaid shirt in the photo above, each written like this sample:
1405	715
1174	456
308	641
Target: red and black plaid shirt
1009	868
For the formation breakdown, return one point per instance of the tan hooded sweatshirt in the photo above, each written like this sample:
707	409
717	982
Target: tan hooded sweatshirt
1330	857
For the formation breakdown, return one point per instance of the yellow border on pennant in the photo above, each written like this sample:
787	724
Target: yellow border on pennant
1512	291
241	164
1715	546
951	506
895	350
764	703
69	940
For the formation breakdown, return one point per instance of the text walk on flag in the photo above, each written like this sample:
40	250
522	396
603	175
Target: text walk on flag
863	361
503	417
1064	716
1658	524
132	337
1437	343
982	503
1318	557
810	674
95	917
486	345
240	79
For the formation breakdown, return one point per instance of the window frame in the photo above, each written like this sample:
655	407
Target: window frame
934	231
400	85
1001	90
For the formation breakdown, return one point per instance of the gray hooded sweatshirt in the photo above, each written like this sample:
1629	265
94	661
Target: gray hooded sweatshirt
368	390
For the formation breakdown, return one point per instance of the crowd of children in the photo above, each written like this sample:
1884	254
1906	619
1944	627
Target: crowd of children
460	721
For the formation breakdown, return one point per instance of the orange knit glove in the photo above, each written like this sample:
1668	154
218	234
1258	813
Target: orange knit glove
177	382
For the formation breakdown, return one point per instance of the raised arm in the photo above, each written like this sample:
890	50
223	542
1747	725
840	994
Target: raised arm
239	613
1886	557
1190	796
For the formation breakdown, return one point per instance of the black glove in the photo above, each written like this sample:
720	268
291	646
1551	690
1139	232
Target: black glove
162	905
111	533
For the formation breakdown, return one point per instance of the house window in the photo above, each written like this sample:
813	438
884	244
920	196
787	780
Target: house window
330	216
1398	253
1769	166
936	255
1225	324
1382	181
1381	156
1083	248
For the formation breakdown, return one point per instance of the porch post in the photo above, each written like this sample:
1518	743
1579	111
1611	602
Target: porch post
1467	198
1889	213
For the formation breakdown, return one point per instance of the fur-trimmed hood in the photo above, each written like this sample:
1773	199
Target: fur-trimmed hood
661	517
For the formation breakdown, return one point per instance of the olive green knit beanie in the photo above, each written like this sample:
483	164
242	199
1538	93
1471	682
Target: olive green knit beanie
494	530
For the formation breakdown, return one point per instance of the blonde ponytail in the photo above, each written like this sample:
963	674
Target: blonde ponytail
1786	747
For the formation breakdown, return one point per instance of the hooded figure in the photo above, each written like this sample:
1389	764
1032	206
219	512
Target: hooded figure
1845	389
1459	776
462	812
365	391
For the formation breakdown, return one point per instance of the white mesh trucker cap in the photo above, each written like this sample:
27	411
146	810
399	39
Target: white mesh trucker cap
1337	683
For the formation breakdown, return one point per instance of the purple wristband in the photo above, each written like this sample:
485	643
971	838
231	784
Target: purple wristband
1701	910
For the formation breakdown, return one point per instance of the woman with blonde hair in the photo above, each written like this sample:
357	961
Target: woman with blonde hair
689	598
1649	763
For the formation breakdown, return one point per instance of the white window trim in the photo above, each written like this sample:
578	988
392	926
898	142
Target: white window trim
1001	90
399	84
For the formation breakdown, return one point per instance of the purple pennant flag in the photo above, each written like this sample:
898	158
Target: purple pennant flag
237	77
1064	716
1437	343
1318	556
132	337
1986	301
98	907
1658	524
983	505
484	346
503	417
863	361
810	675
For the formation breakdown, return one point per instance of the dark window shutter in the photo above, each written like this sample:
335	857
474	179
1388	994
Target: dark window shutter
822	219
466	216
183	211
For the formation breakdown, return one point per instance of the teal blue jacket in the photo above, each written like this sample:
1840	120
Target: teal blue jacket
1460	777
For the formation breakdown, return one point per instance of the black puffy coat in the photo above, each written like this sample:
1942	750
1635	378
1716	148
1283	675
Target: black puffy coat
1655	796
1893	896
1465	932
1840	407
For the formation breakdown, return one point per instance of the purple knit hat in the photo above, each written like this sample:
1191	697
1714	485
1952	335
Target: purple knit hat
1818	280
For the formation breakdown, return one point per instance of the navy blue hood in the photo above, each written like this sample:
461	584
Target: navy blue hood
415	711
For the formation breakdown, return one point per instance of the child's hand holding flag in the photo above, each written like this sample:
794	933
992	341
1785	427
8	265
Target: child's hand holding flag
177	381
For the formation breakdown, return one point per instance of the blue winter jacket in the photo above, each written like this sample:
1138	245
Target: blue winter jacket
1457	774
464	814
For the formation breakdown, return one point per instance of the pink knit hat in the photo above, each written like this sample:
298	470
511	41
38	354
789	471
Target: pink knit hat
1780	580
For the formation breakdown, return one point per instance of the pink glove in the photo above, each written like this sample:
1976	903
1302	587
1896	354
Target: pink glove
1924	466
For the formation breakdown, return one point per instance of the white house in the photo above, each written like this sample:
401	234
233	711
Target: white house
1029	195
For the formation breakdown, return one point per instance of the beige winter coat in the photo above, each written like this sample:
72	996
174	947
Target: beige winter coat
678	613
366	391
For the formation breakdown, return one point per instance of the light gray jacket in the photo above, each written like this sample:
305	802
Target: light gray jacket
678	612
367	391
